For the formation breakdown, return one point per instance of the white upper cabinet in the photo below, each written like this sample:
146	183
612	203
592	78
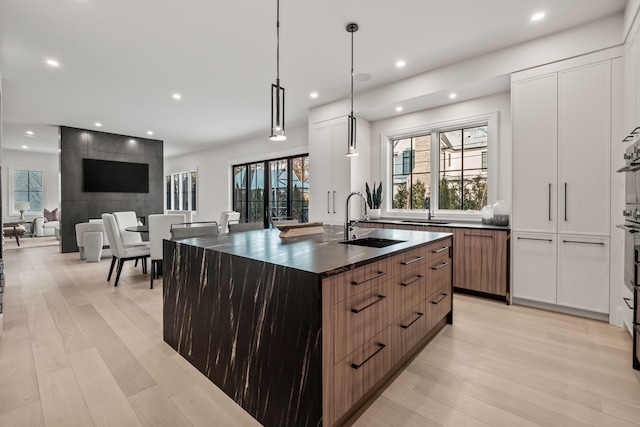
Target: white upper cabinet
332	174
562	144
535	128
584	147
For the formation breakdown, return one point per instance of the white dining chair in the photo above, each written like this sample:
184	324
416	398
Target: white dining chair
119	252
129	219
160	229
226	218
188	215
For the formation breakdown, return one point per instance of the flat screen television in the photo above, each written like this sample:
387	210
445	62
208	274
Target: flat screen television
114	177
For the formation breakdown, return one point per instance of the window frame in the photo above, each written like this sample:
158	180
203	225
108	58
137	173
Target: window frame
491	120
169	197
266	163
12	195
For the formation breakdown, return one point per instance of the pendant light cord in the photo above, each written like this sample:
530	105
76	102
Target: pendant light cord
352	73
278	44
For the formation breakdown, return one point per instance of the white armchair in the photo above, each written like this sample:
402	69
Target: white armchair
226	218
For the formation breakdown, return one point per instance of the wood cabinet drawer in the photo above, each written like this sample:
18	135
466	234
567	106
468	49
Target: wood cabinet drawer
408	289
408	260
353	282
408	329
439	249
359	371
357	319
439	273
438	305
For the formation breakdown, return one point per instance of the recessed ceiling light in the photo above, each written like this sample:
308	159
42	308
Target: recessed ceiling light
452	96
400	64
29	133
398	108
538	16
362	77
25	147
52	63
313	94
98	124
149	132
177	96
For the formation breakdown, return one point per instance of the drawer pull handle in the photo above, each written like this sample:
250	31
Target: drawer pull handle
584	243
531	238
358	366
358	310
442	249
627	301
412	261
442	297
478	235
413	321
380	273
418	277
443	265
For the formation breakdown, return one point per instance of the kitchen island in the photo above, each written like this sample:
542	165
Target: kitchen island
302	331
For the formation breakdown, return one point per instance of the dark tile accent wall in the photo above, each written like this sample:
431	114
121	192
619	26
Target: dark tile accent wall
253	328
77	206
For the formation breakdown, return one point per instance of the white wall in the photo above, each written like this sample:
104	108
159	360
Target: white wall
500	103
214	167
48	163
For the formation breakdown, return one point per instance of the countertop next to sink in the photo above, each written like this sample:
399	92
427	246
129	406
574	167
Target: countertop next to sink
452	224
320	254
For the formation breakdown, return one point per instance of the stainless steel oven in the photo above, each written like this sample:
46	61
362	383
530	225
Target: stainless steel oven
631	227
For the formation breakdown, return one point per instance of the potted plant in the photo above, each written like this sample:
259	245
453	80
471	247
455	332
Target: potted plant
374	200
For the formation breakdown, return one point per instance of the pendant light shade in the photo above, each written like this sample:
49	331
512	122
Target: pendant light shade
277	91
351	137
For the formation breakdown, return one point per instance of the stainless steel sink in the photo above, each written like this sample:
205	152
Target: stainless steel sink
372	242
427	221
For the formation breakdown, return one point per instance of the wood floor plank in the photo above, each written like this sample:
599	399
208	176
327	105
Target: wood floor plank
123	365
27	415
104	398
18	381
155	409
48	350
203	410
62	401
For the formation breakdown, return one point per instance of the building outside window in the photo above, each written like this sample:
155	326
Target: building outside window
28	187
445	168
272	189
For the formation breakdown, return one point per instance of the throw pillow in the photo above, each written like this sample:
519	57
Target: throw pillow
51	215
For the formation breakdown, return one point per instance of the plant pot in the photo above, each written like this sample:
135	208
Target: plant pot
375	213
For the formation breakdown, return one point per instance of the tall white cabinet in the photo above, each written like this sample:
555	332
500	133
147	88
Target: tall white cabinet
561	203
333	175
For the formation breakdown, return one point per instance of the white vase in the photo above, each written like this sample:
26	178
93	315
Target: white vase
375	213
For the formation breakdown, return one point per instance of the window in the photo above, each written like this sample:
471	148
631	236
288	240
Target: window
28	187
444	167
278	187
181	191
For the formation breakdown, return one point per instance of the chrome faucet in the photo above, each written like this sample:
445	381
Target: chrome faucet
348	227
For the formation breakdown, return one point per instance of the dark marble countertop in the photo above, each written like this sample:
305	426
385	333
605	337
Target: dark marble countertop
317	253
437	223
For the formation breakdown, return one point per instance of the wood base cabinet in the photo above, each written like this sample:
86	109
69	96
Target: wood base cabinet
481	261
375	317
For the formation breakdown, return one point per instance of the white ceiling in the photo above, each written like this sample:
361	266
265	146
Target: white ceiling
121	60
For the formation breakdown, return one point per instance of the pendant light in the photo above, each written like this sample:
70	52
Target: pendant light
351	147
277	91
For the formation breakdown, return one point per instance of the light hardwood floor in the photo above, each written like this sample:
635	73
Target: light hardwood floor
78	352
